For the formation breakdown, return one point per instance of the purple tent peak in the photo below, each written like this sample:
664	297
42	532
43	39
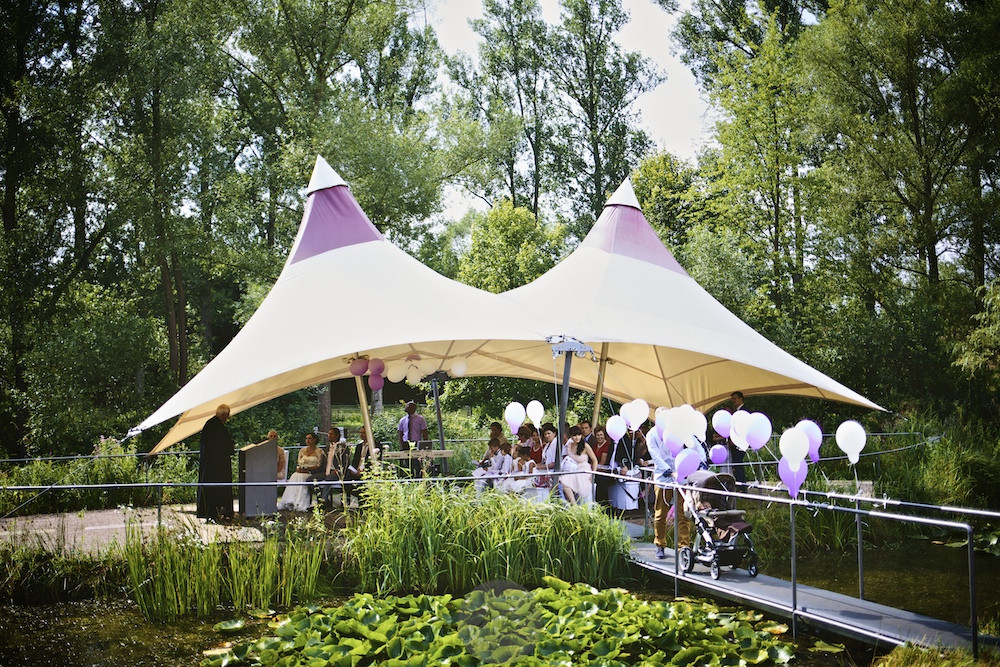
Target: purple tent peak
333	218
323	176
623	230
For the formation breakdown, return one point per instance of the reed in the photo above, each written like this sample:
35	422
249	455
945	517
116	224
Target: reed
434	538
172	573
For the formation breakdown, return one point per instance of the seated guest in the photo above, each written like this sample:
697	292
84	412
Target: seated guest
357	465
520	479
579	460
310	462
496	431
494	465
272	435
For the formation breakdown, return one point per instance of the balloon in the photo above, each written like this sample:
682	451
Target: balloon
759	432
376	382
792	478
851	439
536	411
395	373
640	412
359	367
413	375
721	422
815	435
376	367
616	428
740	423
674	442
700	425
514	414
459	367
428	366
626	413
718	454
685	464
739	440
794	445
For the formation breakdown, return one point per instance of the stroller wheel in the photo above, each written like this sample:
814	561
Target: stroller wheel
714	569
752	565
687	559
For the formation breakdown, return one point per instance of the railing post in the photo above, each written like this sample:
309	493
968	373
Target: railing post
677	550
159	505
795	606
861	547
973	620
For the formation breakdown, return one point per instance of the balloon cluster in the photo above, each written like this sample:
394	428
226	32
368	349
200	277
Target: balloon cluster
804	439
515	413
375	369
746	430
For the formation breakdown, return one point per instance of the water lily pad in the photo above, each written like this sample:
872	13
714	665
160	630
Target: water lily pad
261	613
227	627
822	647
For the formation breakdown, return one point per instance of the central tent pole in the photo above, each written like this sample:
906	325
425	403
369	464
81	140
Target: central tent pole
568	347
599	394
363	400
437	408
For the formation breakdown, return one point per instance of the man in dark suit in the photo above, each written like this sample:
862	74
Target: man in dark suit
215	465
736	455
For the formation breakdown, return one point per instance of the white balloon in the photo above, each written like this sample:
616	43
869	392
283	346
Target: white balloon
741	422
514	413
459	367
676	421
428	366
413	375
739	440
536	411
794	445
700	423
851	439
395	372
616	427
760	430
640	412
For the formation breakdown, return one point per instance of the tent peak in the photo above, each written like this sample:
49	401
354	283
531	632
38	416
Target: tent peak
624	196
324	176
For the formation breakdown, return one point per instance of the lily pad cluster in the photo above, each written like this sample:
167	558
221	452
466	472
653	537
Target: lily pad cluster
557	624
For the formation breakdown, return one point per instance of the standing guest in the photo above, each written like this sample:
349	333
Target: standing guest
579	460
412	429
338	457
588	432
215	465
272	435
602	450
737	455
663	470
357	466
309	463
548	461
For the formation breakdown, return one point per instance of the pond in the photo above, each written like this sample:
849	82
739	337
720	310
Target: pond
919	576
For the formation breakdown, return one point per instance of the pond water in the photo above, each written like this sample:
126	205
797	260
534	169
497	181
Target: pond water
919	576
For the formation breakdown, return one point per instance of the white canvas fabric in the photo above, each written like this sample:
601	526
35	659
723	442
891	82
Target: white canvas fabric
668	341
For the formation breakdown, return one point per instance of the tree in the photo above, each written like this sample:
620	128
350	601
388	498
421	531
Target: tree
597	82
664	187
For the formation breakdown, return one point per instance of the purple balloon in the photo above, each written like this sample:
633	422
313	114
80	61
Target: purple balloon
721	422
686	463
815	435
759	432
376	367
673	442
792	479
376	382
359	367
718	454
616	428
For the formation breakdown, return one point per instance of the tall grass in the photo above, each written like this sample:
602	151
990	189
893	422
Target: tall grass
173	573
434	538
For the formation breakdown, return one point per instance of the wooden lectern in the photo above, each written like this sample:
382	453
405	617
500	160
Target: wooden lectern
259	463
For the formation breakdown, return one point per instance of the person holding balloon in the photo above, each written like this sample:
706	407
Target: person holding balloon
664	449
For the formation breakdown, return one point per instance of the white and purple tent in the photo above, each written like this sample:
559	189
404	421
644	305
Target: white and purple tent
660	336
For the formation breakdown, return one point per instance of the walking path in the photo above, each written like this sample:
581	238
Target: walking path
844	615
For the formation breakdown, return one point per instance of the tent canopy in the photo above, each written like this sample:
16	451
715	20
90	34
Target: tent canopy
667	340
346	292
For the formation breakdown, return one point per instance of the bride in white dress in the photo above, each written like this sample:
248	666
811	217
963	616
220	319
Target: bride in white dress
299	498
582	462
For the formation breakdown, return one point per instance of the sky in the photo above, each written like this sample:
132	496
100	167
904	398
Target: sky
674	114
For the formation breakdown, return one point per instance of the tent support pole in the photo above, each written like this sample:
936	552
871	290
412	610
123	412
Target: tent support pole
563	407
599	394
437	408
363	400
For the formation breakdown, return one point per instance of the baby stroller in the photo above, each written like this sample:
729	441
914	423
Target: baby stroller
722	536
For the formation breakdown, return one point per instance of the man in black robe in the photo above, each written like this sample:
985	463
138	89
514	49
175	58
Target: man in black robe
216	502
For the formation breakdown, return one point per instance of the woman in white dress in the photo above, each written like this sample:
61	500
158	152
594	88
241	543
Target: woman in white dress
520	480
582	462
299	497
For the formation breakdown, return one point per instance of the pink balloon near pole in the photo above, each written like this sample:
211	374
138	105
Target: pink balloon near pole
376	367
359	367
376	382
718	454
685	464
793	479
721	422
